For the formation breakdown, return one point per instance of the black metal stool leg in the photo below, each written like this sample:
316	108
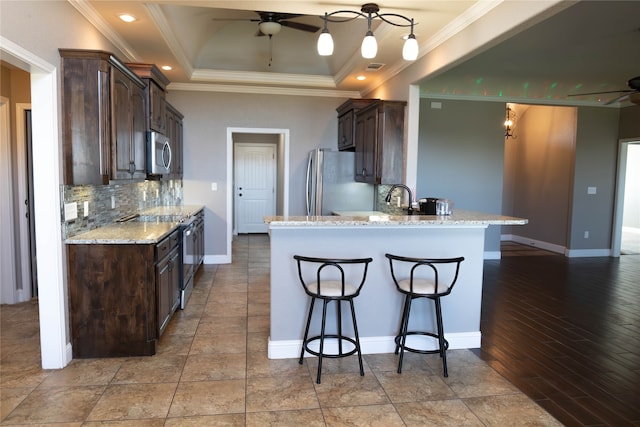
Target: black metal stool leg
306	330
339	317
402	317
324	318
355	330
405	328
441	340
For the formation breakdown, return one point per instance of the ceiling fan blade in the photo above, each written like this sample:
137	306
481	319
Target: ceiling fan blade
300	26
600	93
619	99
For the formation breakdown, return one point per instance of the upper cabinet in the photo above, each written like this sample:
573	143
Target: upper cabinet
155	92
346	122
379	142
104	132
174	132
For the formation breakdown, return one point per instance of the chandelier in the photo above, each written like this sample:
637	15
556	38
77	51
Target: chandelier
369	47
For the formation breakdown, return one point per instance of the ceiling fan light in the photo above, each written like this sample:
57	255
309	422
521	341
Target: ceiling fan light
325	43
410	48
269	28
369	47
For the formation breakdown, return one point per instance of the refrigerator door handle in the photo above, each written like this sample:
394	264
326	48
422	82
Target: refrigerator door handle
309	184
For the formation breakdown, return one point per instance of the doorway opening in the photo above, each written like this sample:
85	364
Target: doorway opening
278	138
626	224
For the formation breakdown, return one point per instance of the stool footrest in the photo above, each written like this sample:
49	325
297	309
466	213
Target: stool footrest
306	343
398	341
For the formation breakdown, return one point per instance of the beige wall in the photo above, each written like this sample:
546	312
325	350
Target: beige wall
539	171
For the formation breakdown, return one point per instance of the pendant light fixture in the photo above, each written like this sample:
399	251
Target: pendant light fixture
369	47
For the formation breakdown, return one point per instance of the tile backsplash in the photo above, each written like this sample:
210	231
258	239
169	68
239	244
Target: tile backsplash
127	198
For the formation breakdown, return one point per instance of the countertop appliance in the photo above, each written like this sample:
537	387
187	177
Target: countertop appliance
158	154
331	186
435	206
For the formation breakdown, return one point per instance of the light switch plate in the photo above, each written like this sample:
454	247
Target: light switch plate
214	186
70	211
591	190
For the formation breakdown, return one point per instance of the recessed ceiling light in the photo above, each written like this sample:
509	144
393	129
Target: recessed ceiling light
126	17
361	77
167	67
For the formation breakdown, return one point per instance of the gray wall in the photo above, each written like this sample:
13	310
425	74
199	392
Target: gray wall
595	166
461	157
312	122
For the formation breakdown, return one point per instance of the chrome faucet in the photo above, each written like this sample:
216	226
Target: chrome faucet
393	187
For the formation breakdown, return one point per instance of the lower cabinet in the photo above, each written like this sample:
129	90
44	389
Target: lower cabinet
168	274
122	296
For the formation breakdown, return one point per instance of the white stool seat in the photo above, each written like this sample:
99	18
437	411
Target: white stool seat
331	288
422	286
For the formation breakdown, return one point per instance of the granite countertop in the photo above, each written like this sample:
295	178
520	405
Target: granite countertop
153	225
378	219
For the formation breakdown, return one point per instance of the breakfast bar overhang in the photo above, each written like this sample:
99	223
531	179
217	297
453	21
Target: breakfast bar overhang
378	305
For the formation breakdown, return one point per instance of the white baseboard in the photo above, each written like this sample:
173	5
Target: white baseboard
538	244
217	259
586	253
492	254
290	349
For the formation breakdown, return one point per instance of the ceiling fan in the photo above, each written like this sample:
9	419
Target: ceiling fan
271	23
630	94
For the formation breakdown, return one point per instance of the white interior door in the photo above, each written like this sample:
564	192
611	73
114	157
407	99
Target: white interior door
254	185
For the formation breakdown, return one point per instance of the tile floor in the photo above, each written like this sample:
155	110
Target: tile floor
212	369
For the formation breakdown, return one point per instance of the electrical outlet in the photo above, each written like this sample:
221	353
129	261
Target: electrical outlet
70	211
113	202
144	196
214	186
586	234
85	210
592	190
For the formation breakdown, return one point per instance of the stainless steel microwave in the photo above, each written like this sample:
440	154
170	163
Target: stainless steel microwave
158	154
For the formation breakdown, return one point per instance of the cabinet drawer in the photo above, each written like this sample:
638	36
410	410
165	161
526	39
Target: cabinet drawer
164	247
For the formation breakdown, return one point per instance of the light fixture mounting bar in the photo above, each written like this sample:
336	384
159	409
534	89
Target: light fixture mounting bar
369	45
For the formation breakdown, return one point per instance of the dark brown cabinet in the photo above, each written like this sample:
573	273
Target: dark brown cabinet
103	119
346	122
379	142
122	296
168	275
155	93
128	128
175	134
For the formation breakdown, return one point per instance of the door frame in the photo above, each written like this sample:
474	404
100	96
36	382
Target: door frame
616	240
274	146
282	179
55	347
23	294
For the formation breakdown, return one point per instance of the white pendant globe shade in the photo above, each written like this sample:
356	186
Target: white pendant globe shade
325	44
369	47
269	28
410	49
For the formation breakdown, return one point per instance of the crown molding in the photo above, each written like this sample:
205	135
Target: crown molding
262	90
104	28
162	24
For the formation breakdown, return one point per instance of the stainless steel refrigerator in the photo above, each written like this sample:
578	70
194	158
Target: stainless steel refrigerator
331	186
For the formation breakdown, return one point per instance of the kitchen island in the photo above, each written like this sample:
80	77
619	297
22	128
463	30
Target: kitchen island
378	305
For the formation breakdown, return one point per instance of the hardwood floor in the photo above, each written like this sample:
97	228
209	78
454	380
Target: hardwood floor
566	332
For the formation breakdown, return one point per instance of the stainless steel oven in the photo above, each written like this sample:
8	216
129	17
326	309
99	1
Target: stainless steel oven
189	258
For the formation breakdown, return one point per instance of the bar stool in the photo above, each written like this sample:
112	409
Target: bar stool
328	280
422	278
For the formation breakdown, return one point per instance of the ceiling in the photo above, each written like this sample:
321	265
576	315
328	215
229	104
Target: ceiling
578	47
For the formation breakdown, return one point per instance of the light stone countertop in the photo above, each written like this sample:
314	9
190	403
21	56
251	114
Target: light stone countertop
378	219
133	232
155	225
